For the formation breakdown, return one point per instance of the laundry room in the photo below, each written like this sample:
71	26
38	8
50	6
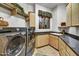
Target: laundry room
39	29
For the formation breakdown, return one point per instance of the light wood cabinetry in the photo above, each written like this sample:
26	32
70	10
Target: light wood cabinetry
42	40
69	14
32	19
75	14
70	52
62	48
56	42
67	54
53	41
65	50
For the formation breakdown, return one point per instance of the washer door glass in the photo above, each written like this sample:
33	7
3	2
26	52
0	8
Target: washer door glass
15	45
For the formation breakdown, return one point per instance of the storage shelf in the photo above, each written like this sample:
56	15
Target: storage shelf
10	7
63	27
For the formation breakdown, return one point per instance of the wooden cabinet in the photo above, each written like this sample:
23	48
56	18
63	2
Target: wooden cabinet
69	14
67	54
42	40
56	42
70	52
75	14
53	41
32	19
65	50
62	48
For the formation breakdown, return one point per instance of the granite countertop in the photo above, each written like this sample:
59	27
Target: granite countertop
71	42
46	32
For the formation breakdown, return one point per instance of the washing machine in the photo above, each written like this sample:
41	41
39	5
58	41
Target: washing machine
13	43
16	46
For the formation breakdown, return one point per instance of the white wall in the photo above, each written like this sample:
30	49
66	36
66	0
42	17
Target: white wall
74	30
27	7
39	7
12	20
15	21
59	15
54	20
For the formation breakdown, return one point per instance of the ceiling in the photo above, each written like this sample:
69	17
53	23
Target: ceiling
51	5
48	5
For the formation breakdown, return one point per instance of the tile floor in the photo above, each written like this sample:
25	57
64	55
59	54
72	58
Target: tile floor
46	51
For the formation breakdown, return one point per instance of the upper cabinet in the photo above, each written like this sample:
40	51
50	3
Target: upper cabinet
69	14
73	14
32	19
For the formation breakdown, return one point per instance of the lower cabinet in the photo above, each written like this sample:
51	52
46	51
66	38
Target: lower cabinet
67	54
56	42
65	50
70	52
62	48
42	40
53	41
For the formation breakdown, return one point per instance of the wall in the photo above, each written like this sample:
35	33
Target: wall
39	7
15	21
74	30
27	7
54	22
59	15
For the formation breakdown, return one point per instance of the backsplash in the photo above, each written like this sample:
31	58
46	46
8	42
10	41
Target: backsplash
74	30
72	35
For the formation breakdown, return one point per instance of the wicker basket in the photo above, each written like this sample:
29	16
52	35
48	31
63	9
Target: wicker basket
2	22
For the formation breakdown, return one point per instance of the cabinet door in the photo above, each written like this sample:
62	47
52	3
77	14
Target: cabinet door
32	19
53	41
42	40
62	48
70	52
75	14
69	14
67	54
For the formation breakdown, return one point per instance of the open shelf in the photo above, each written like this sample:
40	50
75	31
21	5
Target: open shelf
63	27
10	7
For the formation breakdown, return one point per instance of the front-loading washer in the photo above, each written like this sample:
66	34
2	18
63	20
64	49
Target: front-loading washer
16	46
